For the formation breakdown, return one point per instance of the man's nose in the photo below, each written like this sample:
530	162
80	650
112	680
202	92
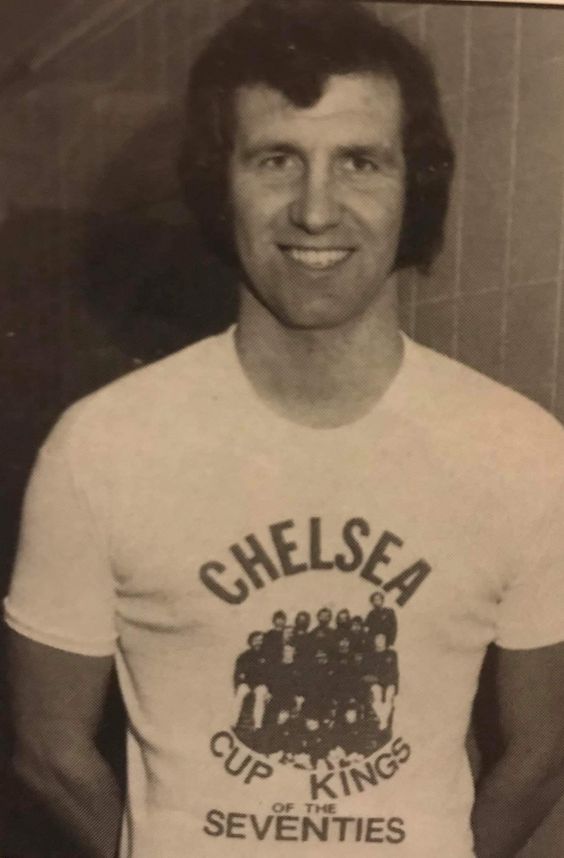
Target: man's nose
316	208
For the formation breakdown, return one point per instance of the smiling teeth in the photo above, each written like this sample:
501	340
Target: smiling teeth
317	258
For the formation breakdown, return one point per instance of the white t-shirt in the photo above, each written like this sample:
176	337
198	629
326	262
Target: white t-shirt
172	514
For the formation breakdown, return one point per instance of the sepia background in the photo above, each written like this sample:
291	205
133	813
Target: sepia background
101	269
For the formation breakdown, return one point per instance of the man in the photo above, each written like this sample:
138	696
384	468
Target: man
343	675
273	639
250	681
342	624
382	678
319	688
352	735
314	744
301	638
358	636
381	620
323	635
286	683
175	507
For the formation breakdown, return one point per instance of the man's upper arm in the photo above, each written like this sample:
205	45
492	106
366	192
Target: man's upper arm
530	689
62	592
57	697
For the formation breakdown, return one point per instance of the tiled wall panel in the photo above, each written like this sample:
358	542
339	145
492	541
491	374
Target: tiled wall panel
479	339
501	68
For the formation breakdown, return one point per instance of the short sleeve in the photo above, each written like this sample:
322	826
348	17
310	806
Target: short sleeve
531	610
62	591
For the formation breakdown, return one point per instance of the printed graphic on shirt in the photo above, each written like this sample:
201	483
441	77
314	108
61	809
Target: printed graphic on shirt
312	708
316	692
322	697
261	559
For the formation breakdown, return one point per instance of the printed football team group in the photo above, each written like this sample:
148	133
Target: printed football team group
327	693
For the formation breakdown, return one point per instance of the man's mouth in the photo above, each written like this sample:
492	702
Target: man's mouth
317	258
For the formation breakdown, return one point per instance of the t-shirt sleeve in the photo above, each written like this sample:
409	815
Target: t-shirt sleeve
531	609
62	591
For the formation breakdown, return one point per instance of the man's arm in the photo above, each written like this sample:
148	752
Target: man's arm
520	790
57	703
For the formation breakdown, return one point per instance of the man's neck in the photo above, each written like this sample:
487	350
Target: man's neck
321	378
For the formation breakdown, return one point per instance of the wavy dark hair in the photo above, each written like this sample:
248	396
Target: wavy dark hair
294	46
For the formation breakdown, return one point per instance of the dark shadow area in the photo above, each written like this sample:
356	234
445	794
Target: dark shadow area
27	830
146	273
169	295
487	731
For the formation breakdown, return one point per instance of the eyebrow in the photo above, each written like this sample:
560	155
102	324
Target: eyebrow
380	152
362	150
250	152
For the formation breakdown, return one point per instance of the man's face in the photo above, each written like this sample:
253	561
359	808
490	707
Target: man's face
377	600
380	643
288	654
256	642
279	622
324	618
317	197
287	633
343	618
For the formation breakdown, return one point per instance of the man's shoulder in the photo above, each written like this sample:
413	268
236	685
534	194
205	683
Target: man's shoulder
479	408
190	372
147	400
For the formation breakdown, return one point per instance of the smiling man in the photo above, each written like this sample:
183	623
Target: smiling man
311	455
319	199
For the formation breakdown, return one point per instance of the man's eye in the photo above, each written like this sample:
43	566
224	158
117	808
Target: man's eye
360	164
278	162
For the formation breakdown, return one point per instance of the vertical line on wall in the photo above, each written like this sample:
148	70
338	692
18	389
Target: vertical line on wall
558	311
140	50
515	118
411	276
163	50
422	22
102	128
64	310
33	284
459	227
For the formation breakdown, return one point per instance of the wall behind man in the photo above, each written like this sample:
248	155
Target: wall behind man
495	298
102	270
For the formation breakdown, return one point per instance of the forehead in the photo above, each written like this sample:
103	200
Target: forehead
360	108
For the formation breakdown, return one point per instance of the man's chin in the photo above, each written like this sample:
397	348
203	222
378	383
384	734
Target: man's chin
323	311
314	320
